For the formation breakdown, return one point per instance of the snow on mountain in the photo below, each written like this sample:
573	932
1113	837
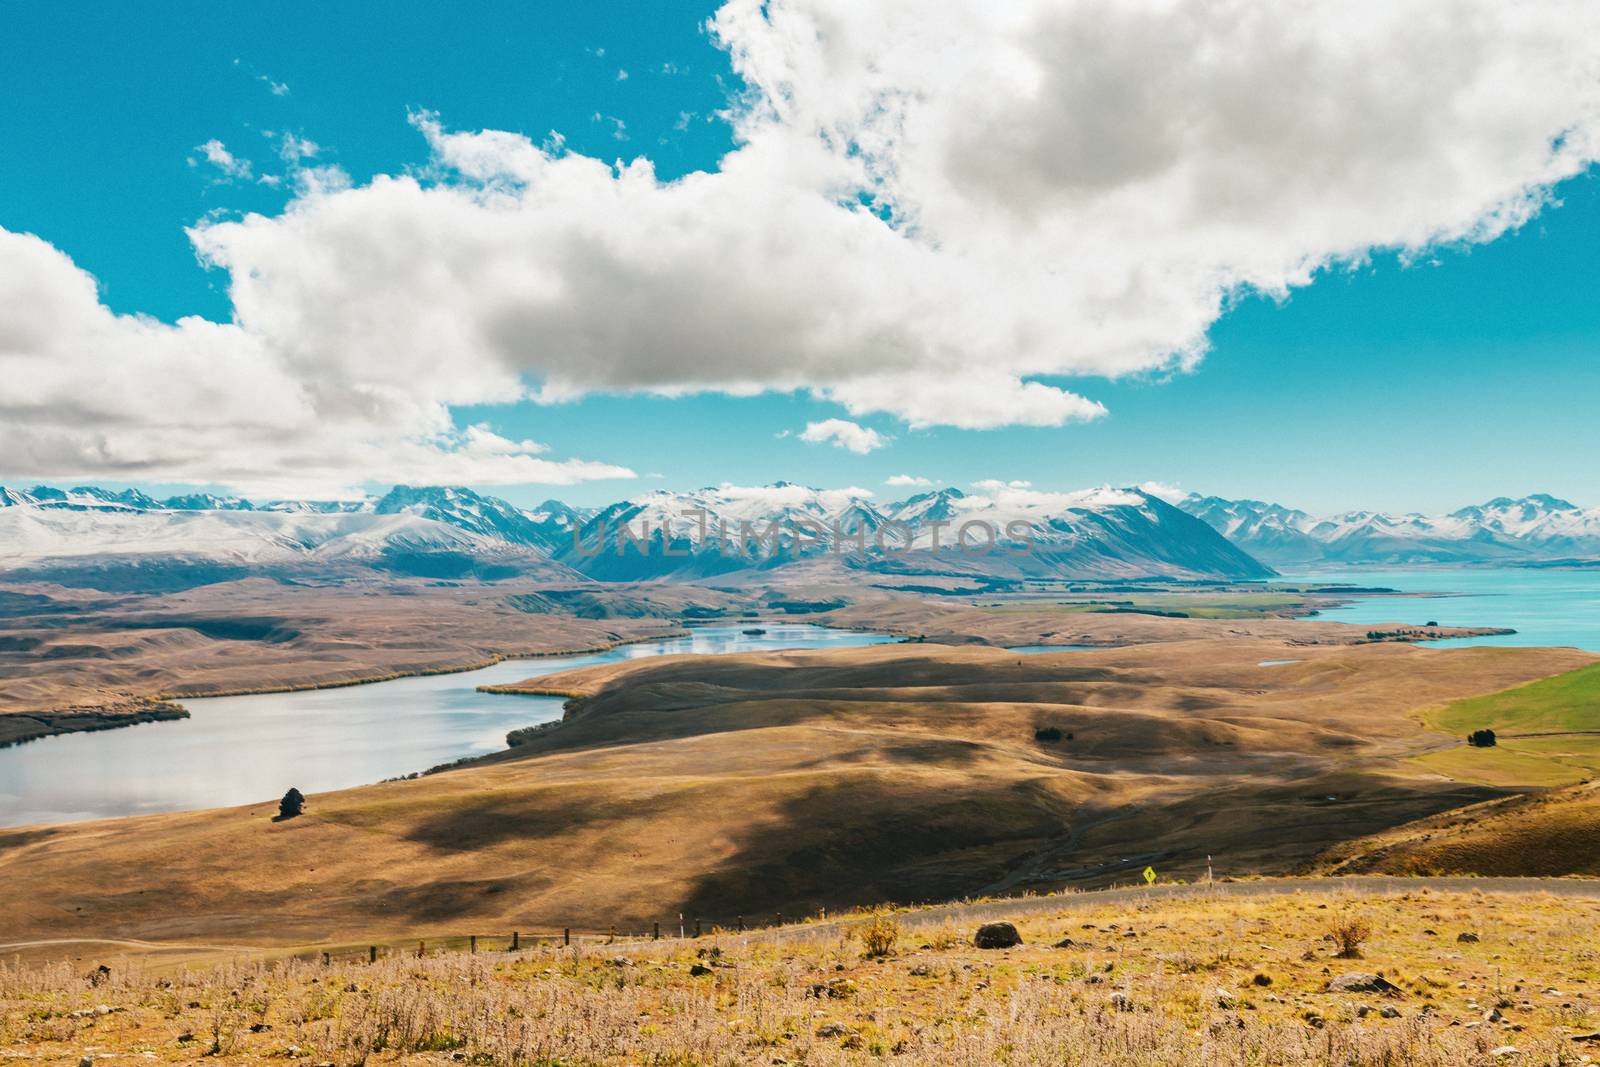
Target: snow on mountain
207	502
28	534
319	507
486	515
1007	532
1011	532
1530	529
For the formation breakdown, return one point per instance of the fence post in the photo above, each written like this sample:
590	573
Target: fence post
472	943
779	921
697	928
516	938
613	938
326	959
656	935
422	949
566	935
372	953
741	924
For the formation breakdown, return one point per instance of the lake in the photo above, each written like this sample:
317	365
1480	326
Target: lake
1545	607
241	750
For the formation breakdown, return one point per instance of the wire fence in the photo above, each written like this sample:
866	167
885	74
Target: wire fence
519	941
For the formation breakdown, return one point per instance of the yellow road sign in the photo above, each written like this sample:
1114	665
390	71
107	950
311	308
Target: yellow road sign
1149	874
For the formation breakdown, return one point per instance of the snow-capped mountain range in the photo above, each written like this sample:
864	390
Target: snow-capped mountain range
1533	529
1096	533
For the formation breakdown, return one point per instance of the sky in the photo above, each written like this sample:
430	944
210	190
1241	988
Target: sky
586	251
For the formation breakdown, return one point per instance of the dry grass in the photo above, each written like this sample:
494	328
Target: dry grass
750	784
1229	982
1548	833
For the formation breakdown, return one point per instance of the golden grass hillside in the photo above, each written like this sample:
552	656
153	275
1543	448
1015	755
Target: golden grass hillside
1472	980
793	781
1555	832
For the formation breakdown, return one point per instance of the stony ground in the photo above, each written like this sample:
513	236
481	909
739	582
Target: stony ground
1441	978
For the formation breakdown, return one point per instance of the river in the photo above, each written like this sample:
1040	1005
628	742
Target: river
241	750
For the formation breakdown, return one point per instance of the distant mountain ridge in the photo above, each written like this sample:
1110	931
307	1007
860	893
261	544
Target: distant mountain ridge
1095	533
1531	529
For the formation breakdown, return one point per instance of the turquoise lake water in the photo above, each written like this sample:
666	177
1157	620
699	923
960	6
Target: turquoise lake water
1545	607
241	750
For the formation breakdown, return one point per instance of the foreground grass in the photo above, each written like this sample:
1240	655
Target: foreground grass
1218	981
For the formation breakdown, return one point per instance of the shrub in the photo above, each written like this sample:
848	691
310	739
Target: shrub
879	935
1481	739
1047	733
1349	934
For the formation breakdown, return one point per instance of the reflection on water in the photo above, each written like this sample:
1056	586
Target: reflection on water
240	750
1545	607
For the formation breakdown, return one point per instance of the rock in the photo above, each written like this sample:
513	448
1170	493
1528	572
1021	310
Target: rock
921	970
835	1030
1065	942
698	969
834	989
1467	938
1223	998
1357	982
1262	980
87	1061
1389	1012
1494	1016
620	961
997	935
260	1028
1120	1002
1505	1052
1586	1038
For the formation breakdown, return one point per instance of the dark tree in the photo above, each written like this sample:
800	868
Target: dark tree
1047	733
292	804
1481	739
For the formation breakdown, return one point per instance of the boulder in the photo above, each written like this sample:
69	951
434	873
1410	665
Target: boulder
997	935
1357	982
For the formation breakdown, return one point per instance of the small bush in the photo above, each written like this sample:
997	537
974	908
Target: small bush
1047	733
1349	934
879	935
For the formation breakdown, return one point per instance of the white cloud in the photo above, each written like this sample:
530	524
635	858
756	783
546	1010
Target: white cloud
85	392
1165	491
881	235
995	485
903	480
842	433
294	148
216	153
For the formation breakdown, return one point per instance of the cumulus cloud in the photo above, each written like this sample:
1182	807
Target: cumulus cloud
995	485
842	433
907	480
86	392
881	236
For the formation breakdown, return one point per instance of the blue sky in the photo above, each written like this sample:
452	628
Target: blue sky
1470	374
